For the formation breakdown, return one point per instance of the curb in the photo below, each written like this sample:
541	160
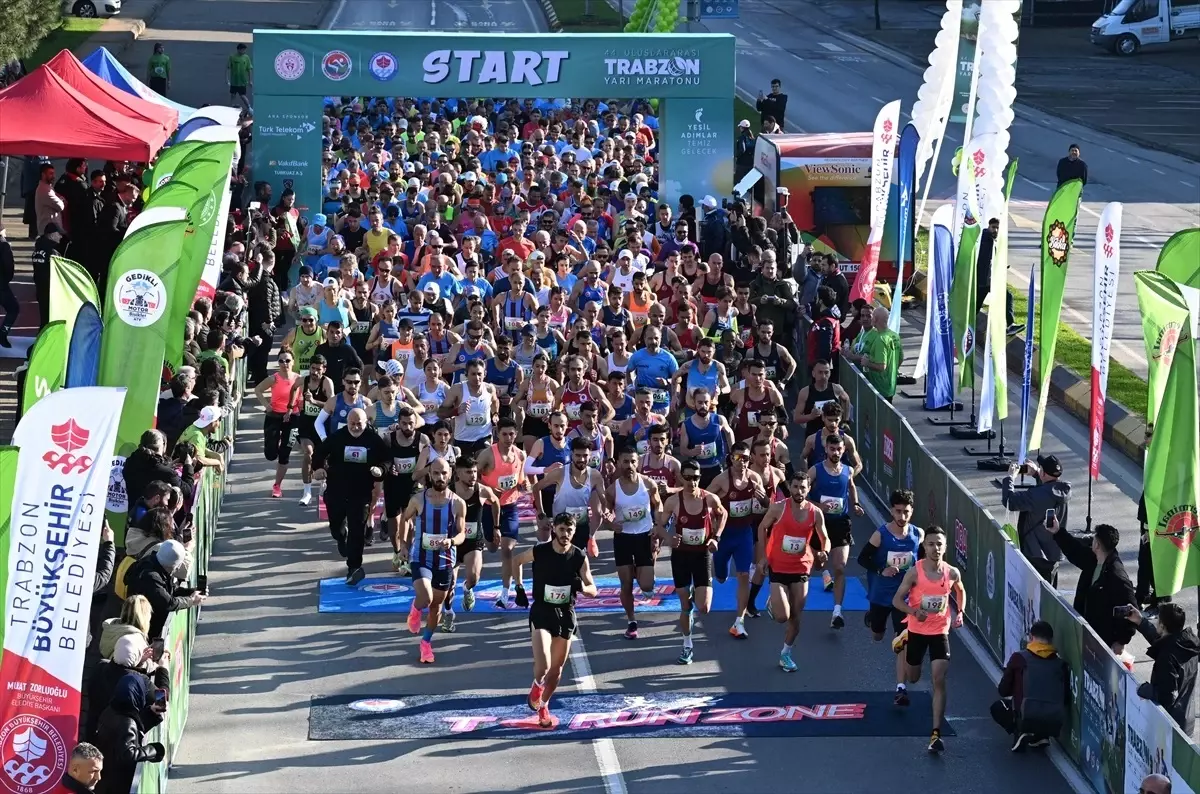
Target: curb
551	16
1123	429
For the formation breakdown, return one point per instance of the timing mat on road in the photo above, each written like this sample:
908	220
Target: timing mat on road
658	715
395	594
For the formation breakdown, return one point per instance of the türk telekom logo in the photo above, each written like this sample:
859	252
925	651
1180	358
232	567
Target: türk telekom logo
34	755
69	437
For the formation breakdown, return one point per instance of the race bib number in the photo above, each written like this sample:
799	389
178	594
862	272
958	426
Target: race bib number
431	542
933	603
833	504
632	514
760	506
643	446
572	410
405	465
355	455
527	371
577	513
819	405
595	459
694	537
402	358
315	250
556	594
476	420
514	323
661	396
900	560
752	418
640	320
472	530
430	406
539	410
507	483
741	508
312	409
770	373
707	451
361	327
793	544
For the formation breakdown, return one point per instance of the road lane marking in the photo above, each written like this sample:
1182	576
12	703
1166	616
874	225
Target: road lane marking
1163	173
604	749
337	14
830	46
1037	185
1132	159
1185	182
534	25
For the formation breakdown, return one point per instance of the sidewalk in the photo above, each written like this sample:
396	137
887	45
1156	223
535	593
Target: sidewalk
1114	495
1149	99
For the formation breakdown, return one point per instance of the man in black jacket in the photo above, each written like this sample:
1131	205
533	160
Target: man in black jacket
153	577
1174	649
72	186
265	312
47	245
1034	691
1103	583
1072	167
352	460
111	226
338	352
772	105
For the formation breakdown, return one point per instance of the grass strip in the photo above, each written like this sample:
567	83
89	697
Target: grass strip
71	34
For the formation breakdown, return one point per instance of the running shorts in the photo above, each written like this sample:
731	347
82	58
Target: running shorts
691	568
937	645
838	528
736	545
439	579
556	621
877	618
636	550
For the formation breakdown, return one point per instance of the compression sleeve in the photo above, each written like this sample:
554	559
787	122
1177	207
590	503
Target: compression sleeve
321	419
866	557
537	471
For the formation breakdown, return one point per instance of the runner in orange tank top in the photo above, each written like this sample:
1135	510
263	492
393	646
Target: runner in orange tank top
925	595
791	538
283	405
502	468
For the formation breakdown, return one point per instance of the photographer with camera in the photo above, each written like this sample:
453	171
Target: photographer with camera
1174	649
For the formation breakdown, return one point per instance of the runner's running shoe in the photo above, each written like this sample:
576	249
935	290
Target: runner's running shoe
900	642
685	657
449	623
426	652
468	598
785	662
534	701
276	491
826	580
414	620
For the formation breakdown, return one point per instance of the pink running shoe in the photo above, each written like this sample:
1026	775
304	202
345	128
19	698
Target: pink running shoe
276	491
414	620
426	652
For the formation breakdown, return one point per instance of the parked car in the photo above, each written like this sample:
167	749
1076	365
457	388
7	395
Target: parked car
91	8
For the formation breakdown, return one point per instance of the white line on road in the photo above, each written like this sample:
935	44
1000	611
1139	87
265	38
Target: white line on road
830	46
1037	185
877	99
1163	173
605	750
337	14
1131	159
1185	182
534	24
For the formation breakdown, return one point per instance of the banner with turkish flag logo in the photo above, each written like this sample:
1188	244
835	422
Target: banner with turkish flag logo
883	153
48	569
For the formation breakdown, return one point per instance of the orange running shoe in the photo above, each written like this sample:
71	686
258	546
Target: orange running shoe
414	620
544	718
426	652
534	700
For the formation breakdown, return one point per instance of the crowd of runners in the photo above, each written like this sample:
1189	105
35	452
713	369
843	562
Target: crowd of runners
495	317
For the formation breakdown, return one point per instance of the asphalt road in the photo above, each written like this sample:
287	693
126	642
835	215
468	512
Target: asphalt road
264	651
821	67
474	16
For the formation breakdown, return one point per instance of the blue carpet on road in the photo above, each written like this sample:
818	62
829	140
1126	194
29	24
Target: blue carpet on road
394	595
657	715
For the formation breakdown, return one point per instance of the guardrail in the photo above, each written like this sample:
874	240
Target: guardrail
1113	736
180	633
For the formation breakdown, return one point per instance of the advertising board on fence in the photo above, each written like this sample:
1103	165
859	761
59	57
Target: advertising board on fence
1068	641
1102	713
1022	595
910	455
992	560
960	518
1147	739
887	475
932	493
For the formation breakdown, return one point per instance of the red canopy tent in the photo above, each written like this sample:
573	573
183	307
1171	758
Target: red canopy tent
79	77
42	115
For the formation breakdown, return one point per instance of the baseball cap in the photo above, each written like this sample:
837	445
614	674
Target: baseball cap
52	228
631	196
744	123
501	179
330	282
625	254
708	201
170	553
433	290
414	183
308	311
391	367
320	220
208	415
615	185
1050	465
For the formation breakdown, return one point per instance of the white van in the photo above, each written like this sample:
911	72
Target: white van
1135	23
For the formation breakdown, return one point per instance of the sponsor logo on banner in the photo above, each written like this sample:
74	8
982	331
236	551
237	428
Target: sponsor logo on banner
961	541
289	65
140	298
33	753
1164	346
58	498
1058	243
889	452
699	114
118	497
336	65
376	705
382	66
496	67
1179	525
698	138
991	576
676	70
